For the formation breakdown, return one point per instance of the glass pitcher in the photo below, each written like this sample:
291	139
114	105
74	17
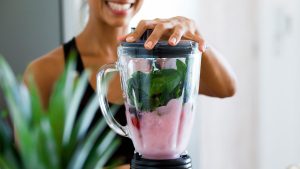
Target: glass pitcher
159	89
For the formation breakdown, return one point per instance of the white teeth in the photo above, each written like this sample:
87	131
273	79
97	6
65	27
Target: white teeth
119	7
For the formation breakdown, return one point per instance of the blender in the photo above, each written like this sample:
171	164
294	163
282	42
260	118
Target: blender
159	89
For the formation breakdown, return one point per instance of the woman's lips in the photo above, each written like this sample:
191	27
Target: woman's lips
119	8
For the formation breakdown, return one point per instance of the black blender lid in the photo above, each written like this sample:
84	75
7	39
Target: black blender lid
161	49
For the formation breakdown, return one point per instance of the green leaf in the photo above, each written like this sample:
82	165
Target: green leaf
12	92
101	153
181	68
166	79
59	101
56	113
82	151
47	146
74	105
13	157
108	151
4	164
6	136
147	91
7	149
36	105
68	78
87	116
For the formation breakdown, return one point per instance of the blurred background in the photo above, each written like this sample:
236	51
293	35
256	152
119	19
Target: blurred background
259	127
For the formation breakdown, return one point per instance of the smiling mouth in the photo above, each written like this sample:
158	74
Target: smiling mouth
119	7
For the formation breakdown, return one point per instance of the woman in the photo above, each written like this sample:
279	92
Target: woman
97	45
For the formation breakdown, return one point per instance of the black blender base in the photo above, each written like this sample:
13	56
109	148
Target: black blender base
183	162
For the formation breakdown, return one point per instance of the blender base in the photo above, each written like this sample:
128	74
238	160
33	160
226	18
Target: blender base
183	162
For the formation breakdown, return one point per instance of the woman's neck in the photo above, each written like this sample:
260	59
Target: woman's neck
99	39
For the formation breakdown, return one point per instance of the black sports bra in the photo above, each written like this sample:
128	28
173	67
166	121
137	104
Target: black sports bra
125	152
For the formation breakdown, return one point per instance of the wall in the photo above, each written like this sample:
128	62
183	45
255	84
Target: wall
74	18
229	127
28	30
279	86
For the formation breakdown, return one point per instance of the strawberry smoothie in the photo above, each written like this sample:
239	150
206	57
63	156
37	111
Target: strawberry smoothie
163	133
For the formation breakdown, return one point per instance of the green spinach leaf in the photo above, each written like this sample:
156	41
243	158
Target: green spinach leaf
147	91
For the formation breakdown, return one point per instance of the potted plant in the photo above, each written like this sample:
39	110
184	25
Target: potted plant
56	138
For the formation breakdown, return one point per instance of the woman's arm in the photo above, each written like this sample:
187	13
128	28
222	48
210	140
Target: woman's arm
217	77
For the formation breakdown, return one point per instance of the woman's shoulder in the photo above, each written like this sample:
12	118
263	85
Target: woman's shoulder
51	63
53	60
44	71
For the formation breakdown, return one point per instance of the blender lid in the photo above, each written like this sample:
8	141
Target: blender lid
162	49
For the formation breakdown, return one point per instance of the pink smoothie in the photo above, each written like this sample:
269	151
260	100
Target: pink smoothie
163	133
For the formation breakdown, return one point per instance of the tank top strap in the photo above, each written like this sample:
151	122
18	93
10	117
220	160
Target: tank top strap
70	47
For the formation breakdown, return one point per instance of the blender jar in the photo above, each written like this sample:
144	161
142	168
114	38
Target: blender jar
159	89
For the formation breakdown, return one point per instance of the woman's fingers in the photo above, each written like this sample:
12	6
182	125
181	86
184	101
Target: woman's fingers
174	28
157	33
201	42
122	38
176	35
140	29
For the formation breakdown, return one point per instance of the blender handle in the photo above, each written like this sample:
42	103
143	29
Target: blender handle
102	96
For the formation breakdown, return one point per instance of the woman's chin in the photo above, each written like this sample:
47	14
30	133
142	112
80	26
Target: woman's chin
119	22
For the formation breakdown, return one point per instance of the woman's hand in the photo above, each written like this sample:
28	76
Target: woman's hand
174	29
217	77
